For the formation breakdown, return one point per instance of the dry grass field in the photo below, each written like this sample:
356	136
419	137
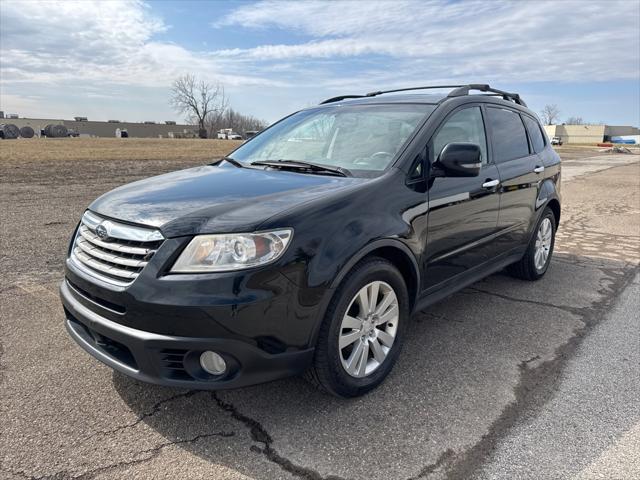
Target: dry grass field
113	149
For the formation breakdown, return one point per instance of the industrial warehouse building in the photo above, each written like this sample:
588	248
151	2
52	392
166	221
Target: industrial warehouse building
107	129
591	134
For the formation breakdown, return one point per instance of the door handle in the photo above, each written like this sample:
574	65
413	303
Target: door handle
490	183
538	170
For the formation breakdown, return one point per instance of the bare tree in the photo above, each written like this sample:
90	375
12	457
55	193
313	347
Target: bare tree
550	114
575	121
198	100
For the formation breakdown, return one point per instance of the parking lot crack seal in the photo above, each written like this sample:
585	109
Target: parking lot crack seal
445	458
537	384
260	435
154	410
151	452
568	309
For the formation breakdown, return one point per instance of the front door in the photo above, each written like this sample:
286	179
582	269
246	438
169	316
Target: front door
463	212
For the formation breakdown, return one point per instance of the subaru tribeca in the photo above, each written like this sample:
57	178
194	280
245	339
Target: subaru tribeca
307	249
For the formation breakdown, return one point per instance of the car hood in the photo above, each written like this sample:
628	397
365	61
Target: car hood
210	199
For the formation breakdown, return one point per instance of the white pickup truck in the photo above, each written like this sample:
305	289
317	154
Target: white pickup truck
228	134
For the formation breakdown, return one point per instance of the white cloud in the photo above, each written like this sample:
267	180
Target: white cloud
517	41
113	55
97	41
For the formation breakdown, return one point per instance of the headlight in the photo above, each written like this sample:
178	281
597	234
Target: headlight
236	251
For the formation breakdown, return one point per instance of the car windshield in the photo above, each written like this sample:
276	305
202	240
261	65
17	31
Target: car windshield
363	139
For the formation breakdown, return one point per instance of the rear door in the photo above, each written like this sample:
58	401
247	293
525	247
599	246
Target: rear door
520	170
463	212
546	154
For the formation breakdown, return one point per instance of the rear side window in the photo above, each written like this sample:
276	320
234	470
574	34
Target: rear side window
537	140
464	126
508	134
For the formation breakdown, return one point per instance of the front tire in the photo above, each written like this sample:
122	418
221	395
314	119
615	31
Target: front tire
362	332
536	260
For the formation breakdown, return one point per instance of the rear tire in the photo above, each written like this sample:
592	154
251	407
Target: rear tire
535	262
358	346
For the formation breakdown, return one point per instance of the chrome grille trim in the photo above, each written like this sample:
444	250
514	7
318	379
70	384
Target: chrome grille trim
115	247
118	259
100	266
89	249
122	231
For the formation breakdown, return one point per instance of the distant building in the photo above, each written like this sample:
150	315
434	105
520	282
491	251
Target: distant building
589	134
108	129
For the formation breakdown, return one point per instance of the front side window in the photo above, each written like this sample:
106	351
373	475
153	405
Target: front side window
508	135
465	126
364	139
537	140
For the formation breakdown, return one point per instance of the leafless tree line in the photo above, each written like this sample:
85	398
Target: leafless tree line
235	120
207	106
550	115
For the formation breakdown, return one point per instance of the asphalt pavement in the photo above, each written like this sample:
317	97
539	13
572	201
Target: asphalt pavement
506	379
594	410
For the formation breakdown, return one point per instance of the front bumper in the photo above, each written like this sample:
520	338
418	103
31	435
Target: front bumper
173	360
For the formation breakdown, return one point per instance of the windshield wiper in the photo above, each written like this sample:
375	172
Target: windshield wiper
300	165
232	161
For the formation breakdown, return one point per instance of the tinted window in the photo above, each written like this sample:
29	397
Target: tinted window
463	126
360	138
535	134
509	135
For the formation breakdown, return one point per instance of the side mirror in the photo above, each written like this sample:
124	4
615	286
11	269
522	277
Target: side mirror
460	160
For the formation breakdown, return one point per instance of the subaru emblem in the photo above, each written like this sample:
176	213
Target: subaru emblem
102	232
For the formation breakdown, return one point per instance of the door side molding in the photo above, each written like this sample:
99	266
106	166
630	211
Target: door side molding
479	242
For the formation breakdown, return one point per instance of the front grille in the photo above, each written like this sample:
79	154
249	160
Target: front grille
120	256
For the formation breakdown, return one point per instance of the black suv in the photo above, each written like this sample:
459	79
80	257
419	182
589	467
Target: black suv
308	248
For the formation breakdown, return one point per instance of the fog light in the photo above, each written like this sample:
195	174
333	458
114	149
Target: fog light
212	363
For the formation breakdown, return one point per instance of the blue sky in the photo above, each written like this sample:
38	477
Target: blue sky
116	59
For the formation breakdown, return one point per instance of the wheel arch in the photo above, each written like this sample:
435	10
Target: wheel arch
395	252
548	197
390	249
554	205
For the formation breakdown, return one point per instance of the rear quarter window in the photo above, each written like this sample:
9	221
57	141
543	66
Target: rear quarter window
509	137
535	134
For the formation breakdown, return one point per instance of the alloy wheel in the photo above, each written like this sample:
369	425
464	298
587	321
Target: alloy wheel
368	329
543	244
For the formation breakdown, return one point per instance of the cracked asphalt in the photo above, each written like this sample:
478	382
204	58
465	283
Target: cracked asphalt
506	379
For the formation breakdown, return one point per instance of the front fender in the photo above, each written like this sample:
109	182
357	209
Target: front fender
376	245
371	248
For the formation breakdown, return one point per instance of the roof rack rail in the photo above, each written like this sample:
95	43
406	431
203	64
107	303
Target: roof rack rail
460	90
341	97
380	92
464	90
429	87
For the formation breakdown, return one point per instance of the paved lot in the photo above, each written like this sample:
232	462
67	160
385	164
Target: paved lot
506	379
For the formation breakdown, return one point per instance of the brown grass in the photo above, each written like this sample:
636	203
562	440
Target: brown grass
100	149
